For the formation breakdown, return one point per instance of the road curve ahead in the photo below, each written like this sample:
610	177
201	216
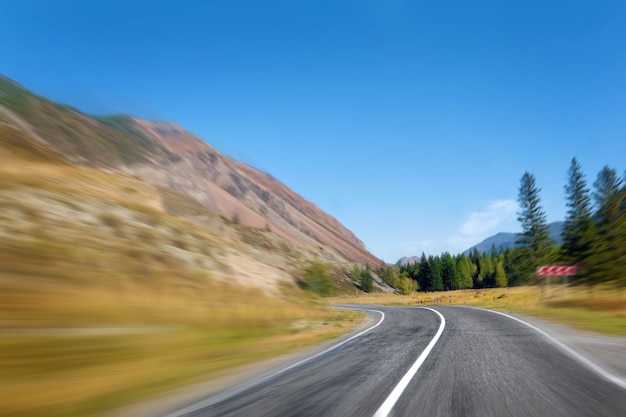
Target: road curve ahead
444	361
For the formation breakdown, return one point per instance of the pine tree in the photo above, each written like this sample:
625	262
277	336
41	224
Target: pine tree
607	186
578	231
411	270
608	261
367	281
499	275
424	274
477	275
535	238
317	279
487	270
356	273
435	270
465	271
516	265
494	250
448	272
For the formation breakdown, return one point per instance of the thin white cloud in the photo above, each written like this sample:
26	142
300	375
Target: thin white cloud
497	216
458	243
482	223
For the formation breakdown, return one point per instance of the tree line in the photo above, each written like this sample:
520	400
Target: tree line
594	239
451	272
594	233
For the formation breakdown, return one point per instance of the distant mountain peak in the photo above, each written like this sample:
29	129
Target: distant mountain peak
506	240
407	260
501	240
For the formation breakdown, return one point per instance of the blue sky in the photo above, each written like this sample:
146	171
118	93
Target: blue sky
412	122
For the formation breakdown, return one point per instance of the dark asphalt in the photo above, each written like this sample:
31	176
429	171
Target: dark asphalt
484	364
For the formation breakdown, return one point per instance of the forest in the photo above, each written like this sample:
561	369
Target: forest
594	240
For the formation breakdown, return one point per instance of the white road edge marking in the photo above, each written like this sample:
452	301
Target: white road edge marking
220	397
588	363
387	405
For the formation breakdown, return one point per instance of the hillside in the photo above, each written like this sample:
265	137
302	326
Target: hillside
167	155
102	142
406	260
113	288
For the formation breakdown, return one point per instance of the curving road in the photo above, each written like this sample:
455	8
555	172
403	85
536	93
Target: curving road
444	361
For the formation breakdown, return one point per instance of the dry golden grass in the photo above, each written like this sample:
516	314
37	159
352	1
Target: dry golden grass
92	370
118	188
602	310
108	295
81	344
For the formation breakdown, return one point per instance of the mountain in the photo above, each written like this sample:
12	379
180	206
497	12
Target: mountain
165	154
406	260
502	240
147	280
505	240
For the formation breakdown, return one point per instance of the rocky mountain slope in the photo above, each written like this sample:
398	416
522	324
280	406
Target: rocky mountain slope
406	260
167	155
115	288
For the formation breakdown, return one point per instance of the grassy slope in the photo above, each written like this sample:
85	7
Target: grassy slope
112	289
104	141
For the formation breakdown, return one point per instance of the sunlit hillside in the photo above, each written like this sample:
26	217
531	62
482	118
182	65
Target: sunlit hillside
112	289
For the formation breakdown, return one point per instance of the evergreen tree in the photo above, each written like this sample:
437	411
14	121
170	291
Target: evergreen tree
411	270
435	271
578	230
424	274
366	281
518	265
356	273
608	262
494	250
317	279
607	186
387	275
465	270
477	276
487	270
535	238
448	272
499	275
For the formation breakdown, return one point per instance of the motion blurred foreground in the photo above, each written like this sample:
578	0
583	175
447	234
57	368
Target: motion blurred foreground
113	289
135	259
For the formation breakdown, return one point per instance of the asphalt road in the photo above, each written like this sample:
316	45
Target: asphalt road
476	364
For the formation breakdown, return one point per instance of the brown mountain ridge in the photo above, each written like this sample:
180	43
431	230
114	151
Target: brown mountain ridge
167	155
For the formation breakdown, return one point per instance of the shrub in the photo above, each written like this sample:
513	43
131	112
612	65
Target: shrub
317	279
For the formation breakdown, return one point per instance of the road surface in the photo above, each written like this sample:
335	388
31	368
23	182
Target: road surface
442	361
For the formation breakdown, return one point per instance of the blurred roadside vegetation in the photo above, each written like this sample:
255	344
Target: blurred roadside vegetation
113	290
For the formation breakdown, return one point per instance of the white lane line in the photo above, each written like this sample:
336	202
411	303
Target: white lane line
220	397
589	364
387	405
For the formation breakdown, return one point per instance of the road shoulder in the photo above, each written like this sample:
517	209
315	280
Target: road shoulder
607	352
